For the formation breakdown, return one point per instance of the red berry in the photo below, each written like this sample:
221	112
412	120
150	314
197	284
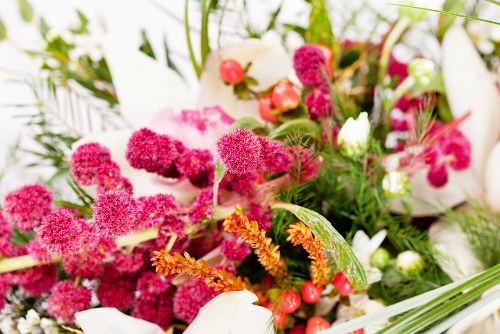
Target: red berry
311	293
298	329
358	331
341	283
289	301
231	72
266	110
316	324
279	316
284	96
328	53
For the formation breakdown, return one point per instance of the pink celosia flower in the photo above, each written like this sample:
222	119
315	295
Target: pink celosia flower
202	207
84	265
5	284
319	104
91	164
310	65
38	280
240	151
153	210
198	166
115	214
190	298
128	263
274	156
5	234
116	184
66	299
116	289
171	226
152	152
261	214
37	251
155	308
235	249
26	206
151	283
61	232
241	184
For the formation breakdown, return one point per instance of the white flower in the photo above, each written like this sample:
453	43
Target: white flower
361	305
8	326
410	262
49	326
232	312
422	71
364	247
483	35
29	323
89	44
354	135
396	184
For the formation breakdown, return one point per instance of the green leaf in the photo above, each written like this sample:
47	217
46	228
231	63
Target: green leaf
446	21
246	123
335	244
44	27
320	29
146	46
219	171
297	126
168	58
26	10
3	31
187	29
204	42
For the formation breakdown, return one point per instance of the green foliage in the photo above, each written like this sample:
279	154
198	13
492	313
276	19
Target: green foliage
302	127
320	29
26	10
246	123
146	46
3	31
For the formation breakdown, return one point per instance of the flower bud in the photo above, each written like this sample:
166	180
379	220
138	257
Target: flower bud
354	134
231	72
328	53
380	258
422	70
266	110
396	184
410	262
284	97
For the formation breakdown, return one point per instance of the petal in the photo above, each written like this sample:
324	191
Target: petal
144	87
111	321
492	178
270	63
232	312
377	240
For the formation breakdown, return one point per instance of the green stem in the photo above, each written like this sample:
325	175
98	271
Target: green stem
187	29
400	91
204	44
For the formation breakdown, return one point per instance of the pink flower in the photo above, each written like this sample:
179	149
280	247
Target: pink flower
84	265
171	226
235	249
319	104
190	298
397	69
153	210
91	164
274	156
155	308
5	234
310	65
240	151
5	284
38	280
61	232
27	206
305	165
66	299
128	263
202	207
151	283
198	166
261	214
115	214
116	289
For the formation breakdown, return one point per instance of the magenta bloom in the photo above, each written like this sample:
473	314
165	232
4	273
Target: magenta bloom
171	226
202	207
5	234
198	166
240	151
190	298
152	152
66	299
150	283
5	284
128	263
155	308
305	165
62	233
115	214
91	164
274	156
26	206
38	280
153	210
319	104
310	65
261	214
235	249
116	289
241	184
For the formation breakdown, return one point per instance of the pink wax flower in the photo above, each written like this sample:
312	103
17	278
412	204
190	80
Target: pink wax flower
310	65
153	210
198	166
319	104
61	232
27	206
91	164
202	207
235	249
38	280
116	289
190	298
274	156
155	308
240	151
115	214
66	299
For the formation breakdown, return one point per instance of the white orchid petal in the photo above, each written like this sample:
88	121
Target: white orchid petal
360	247
377	240
492	178
470	87
270	63
111	321
232	312
144	87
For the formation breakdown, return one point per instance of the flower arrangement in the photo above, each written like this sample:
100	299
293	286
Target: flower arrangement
324	188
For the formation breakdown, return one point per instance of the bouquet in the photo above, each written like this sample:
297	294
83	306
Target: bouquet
326	186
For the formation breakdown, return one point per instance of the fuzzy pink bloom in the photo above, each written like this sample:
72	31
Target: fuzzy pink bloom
235	249
61	232
26	206
5	284
38	280
319	104
437	175
66	299
128	263
261	214
274	156
84	265
5	234
91	164
458	147
198	166
116	289
241	184
151	283
171	226
305	166
115	214
190	298
153	210
39	252
310	65
202	207
120	183
150	151
155	308
240	151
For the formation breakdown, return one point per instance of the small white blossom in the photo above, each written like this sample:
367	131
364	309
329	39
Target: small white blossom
28	324
422	70
8	326
354	135
364	247
361	305
49	326
396	184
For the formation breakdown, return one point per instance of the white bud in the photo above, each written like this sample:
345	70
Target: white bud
422	70
396	184
354	135
410	262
